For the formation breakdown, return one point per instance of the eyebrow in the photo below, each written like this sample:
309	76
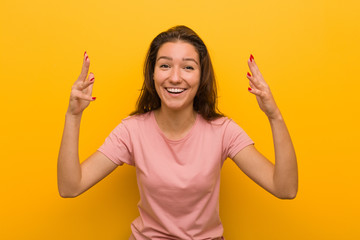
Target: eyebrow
184	59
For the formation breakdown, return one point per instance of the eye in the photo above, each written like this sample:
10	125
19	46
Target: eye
164	66
189	68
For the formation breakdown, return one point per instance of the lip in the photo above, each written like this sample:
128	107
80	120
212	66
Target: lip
175	90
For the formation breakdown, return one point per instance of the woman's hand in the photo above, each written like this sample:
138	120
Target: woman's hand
261	90
281	179
81	91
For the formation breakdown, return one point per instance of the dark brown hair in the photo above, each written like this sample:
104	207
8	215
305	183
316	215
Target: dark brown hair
205	101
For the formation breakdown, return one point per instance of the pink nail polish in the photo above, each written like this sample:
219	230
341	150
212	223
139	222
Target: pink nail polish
249	88
251	57
92	79
248	74
93	98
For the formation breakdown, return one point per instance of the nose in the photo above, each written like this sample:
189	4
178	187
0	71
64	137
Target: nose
175	76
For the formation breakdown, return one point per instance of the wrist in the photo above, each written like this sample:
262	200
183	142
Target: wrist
276	116
76	117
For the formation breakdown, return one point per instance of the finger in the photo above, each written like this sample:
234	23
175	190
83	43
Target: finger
251	84
82	96
90	82
89	88
254	80
253	66
85	67
82	85
255	91
91	77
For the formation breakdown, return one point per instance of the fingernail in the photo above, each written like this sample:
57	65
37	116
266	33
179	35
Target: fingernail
84	53
92	79
251	57
248	74
86	58
93	98
249	88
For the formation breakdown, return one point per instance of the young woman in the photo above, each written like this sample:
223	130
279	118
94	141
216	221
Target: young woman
178	141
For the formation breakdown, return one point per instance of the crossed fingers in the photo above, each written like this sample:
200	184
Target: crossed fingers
257	83
261	90
82	88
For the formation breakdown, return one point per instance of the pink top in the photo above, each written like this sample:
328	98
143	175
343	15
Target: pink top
178	180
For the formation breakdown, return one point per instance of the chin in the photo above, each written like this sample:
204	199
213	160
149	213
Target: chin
175	107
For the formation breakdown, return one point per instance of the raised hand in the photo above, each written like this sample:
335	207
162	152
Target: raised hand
261	90
81	91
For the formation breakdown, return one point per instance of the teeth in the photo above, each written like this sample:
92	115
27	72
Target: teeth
175	90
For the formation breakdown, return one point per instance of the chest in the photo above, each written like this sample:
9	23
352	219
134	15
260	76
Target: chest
179	169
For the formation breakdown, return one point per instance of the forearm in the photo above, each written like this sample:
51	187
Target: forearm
285	172
68	168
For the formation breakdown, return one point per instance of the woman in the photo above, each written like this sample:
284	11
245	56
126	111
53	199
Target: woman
178	142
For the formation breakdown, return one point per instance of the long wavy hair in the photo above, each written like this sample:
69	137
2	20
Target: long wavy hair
205	101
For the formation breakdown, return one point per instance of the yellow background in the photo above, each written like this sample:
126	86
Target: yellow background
308	52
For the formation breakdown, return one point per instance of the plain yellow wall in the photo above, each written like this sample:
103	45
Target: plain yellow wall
308	52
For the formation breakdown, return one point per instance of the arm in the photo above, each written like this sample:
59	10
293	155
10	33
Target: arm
73	178
280	179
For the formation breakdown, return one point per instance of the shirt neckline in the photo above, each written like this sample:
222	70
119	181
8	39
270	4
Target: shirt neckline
152	116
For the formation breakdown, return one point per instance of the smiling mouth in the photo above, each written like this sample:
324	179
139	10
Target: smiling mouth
175	90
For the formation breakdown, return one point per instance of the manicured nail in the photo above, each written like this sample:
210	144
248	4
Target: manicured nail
92	79
86	58
248	74
84	53
249	88
251	57
93	98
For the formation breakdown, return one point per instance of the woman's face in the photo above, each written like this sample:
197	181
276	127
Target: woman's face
177	75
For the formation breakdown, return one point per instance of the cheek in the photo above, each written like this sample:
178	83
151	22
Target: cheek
156	78
197	84
159	76
157	83
157	86
198	79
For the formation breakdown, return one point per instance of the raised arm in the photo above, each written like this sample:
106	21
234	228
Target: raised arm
280	179
75	178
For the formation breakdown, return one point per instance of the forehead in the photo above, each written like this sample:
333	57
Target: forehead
179	49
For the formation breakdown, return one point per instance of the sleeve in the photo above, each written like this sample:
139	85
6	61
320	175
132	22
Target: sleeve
117	146
235	139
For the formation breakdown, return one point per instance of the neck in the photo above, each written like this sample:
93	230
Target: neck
175	124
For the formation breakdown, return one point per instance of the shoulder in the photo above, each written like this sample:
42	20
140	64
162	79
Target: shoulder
221	125
133	123
226	126
221	122
136	119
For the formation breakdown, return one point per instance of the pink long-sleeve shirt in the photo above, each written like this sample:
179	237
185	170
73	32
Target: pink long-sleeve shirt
178	180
